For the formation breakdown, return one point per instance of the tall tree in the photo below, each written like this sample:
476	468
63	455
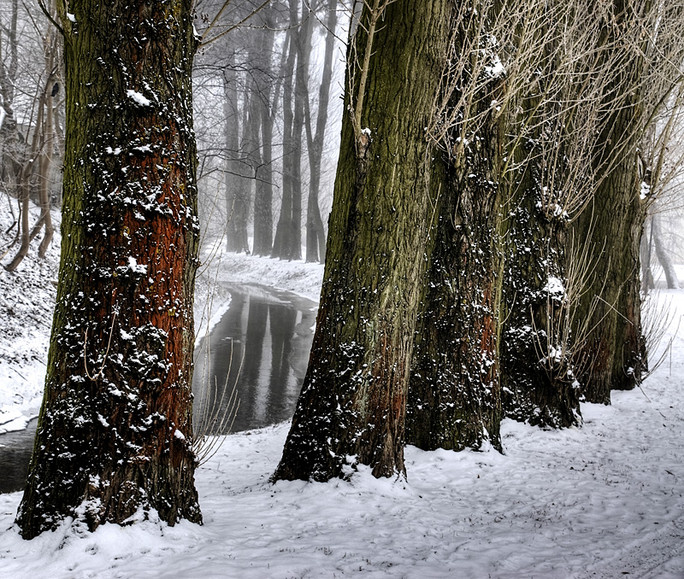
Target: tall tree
287	242
315	232
114	438
454	395
266	100
613	355
352	405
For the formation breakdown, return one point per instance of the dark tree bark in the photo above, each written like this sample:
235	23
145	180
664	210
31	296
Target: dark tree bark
537	380
613	356
115	431
352	406
454	394
538	383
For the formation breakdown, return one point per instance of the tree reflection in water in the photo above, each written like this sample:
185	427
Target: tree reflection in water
261	345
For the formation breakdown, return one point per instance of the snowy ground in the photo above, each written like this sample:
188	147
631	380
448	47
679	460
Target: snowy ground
603	501
27	298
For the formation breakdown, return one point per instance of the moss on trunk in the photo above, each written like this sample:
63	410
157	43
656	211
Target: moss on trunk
352	406
115	432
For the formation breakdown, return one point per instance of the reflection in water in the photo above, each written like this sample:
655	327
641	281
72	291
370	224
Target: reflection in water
261	345
15	454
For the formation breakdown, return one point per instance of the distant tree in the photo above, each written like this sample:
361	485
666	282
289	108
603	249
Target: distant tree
352	406
27	158
287	243
315	138
114	438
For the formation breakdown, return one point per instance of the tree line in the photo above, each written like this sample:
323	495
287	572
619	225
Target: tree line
496	165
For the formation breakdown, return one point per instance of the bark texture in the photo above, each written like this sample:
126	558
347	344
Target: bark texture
115	432
454	394
352	406
613	355
538	384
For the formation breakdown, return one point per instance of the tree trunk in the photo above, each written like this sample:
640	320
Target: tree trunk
645	253
537	378
263	195
662	253
282	243
454	397
315	232
352	406
538	384
613	355
114	439
237	192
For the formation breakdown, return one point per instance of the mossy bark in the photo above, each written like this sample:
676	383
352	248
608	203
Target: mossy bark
352	406
537	380
454	397
114	438
613	356
538	383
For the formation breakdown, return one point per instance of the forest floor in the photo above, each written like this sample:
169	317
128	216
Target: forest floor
602	501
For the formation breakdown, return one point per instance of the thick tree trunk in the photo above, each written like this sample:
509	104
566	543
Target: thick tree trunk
538	384
114	439
613	355
352	406
537	379
454	395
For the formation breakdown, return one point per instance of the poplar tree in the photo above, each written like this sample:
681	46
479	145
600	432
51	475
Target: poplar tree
352	406
114	438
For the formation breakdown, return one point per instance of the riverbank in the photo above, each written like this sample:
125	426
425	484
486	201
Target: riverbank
27	299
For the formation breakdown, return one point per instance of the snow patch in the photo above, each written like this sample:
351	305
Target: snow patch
138	98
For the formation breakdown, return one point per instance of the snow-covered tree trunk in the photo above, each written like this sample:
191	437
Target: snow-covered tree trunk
352	406
114	439
454	396
613	355
541	185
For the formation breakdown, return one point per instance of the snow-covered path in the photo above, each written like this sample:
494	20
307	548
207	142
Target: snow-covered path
606	500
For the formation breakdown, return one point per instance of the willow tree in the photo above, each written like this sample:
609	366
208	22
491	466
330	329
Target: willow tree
114	439
554	129
352	405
